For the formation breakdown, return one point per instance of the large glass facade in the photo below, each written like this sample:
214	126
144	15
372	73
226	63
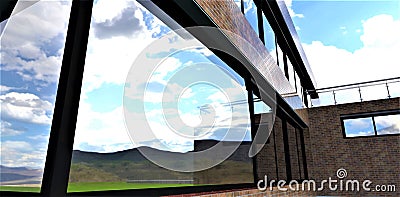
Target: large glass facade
32	44
107	155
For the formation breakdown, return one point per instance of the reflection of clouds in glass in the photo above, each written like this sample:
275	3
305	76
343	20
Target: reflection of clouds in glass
125	24
389	124
359	127
250	12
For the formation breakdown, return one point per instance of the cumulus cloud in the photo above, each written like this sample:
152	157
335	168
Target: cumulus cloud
26	107
8	130
22	153
5	88
291	11
126	24
28	46
375	60
100	129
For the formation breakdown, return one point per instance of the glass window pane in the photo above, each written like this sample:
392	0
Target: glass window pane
238	3
394	89
105	157
260	107
32	46
359	127
280	58
347	96
374	92
389	124
269	35
250	11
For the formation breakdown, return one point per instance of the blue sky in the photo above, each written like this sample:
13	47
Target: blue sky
351	42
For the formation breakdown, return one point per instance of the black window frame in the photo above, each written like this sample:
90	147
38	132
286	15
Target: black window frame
59	152
371	115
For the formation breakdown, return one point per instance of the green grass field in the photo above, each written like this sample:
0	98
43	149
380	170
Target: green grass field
20	189
96	186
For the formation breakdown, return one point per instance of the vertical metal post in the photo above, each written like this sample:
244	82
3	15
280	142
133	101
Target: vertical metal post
285	66
387	88
276	50
295	80
297	151
242	6
359	90
374	123
276	156
260	23
59	152
303	151
334	96
249	87
305	95
287	150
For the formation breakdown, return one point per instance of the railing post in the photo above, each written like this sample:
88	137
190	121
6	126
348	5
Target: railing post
359	90
334	96
387	88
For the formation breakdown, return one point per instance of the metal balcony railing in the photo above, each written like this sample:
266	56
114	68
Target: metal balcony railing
358	92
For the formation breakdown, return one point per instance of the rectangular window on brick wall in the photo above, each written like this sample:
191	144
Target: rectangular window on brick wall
371	124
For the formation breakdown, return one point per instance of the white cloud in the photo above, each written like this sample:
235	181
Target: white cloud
107	10
4	89
106	130
291	11
102	129
249	6
8	130
377	59
21	153
26	107
111	66
28	39
381	31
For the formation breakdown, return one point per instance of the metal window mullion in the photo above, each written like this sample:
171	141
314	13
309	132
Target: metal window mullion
373	122
286	150
297	151
285	66
303	152
260	24
242	6
249	87
59	152
276	156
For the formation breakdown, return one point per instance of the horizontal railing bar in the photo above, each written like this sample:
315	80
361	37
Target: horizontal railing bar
356	84
353	87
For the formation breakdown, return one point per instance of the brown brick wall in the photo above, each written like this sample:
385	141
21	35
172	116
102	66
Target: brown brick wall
373	158
250	193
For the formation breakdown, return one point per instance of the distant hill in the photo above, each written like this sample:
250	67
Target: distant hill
123	165
132	165
19	175
6	177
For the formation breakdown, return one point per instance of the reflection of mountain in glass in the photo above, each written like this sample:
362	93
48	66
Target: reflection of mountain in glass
131	165
19	175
